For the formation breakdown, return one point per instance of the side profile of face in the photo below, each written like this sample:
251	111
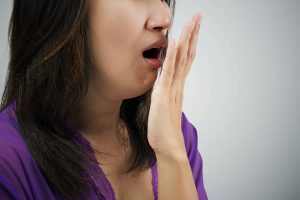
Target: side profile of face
119	31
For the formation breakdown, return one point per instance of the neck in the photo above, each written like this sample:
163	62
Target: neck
96	114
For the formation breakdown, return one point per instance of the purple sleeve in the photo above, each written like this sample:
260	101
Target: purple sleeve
191	143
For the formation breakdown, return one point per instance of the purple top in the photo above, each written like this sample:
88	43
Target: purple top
20	177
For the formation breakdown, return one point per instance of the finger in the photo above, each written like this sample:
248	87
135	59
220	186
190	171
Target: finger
182	53
168	68
193	43
177	83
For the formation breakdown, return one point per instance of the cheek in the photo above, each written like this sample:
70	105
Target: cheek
115	43
115	29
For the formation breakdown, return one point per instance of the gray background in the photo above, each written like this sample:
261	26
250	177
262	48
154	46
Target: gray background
242	94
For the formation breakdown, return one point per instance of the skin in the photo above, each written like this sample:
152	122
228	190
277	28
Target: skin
164	124
118	32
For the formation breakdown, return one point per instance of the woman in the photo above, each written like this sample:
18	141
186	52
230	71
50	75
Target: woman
82	115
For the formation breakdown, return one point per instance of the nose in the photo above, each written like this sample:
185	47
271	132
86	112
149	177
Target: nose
160	17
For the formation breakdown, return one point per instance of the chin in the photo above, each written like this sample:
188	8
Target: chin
140	86
138	90
137	93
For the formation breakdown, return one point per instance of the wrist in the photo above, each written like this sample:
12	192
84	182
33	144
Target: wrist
174	157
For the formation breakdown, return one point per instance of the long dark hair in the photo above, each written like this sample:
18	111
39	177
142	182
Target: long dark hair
48	76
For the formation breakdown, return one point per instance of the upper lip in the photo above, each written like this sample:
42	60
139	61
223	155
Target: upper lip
160	43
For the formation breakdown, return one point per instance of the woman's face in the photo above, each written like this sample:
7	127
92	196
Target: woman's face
119	31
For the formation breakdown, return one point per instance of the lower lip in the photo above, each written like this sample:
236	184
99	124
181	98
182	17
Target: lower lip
154	62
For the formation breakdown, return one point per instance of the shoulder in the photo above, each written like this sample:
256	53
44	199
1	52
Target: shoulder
19	174
14	157
12	146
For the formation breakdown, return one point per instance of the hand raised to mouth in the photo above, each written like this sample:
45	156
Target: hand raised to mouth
164	121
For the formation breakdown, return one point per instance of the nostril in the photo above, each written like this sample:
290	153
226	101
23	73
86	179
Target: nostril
158	28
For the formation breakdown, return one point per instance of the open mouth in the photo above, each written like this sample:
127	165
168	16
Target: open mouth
152	56
153	53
